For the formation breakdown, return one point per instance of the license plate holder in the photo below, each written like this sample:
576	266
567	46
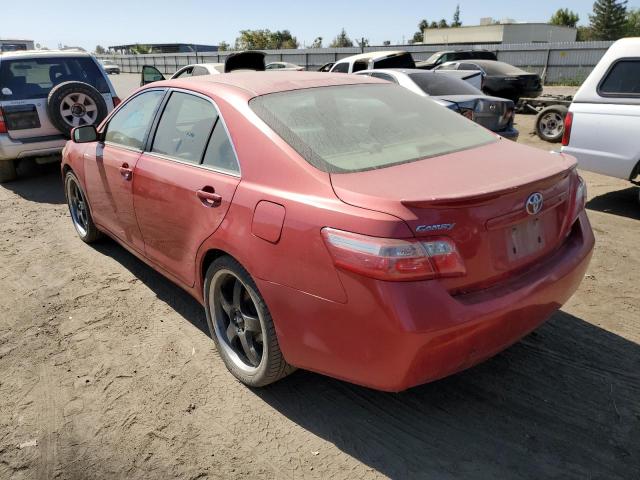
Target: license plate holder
525	239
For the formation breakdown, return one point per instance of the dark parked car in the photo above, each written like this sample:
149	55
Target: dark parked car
493	113
444	56
501	79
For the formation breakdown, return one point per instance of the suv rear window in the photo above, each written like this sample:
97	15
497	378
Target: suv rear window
363	127
35	77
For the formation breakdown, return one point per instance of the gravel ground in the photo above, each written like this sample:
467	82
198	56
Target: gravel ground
107	372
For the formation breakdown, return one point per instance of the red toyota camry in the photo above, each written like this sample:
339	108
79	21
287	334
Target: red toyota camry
334	223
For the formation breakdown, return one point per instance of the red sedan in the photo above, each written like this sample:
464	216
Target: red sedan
334	223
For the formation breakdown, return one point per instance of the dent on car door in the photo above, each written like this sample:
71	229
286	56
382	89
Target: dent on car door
110	167
184	183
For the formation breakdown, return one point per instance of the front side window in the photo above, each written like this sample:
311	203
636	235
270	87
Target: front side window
130	124
622	79
341	68
35	77
197	71
184	73
359	66
185	127
362	127
220	154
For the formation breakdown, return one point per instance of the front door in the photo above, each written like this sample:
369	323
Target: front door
185	183
110	167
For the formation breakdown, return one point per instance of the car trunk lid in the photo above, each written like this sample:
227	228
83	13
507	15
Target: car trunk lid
476	197
492	113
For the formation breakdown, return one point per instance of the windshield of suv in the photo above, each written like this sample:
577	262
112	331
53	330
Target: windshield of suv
363	127
35	77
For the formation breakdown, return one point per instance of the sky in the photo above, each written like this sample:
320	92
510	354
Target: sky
116	22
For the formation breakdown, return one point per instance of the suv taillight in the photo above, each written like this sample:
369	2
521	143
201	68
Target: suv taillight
116	101
3	126
568	123
394	259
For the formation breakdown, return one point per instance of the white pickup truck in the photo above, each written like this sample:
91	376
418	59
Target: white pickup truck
602	128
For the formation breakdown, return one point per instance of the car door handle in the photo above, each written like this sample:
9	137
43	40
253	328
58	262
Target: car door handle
208	197
126	172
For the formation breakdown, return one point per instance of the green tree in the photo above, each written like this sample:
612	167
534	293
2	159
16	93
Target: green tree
565	17
418	37
456	17
585	34
265	39
633	23
100	50
433	24
609	19
138	49
317	43
386	43
342	40
443	24
223	46
363	42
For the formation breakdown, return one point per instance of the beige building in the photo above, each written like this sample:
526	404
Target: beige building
500	33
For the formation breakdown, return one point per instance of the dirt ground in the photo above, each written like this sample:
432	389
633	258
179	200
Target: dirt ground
106	371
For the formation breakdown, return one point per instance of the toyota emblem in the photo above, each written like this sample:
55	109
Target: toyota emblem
534	203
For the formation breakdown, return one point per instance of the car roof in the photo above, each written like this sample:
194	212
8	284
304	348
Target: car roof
372	55
263	83
25	54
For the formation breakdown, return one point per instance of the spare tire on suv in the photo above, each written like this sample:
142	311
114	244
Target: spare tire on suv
74	104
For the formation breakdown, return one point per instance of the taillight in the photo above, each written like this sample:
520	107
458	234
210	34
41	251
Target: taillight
116	101
3	126
394	259
581	194
568	123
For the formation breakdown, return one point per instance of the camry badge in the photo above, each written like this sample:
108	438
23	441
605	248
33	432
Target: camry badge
434	228
534	203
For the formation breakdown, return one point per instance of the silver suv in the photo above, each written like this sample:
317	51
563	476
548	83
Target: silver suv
43	95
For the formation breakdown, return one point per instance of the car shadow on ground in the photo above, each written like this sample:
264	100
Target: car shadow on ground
38	183
620	202
165	290
564	402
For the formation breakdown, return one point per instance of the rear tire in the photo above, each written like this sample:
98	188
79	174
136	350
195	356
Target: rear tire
550	123
241	325
8	171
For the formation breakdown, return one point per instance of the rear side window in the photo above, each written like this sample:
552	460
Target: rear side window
220	154
35	77
130	124
623	79
185	127
359	66
341	68
483	55
404	60
363	127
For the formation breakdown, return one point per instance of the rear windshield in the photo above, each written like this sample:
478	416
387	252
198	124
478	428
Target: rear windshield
35	77
482	55
363	127
501	68
442	84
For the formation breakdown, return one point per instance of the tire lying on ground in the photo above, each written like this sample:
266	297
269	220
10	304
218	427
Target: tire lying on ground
74	104
550	123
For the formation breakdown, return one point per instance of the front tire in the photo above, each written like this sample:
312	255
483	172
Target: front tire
79	210
241	325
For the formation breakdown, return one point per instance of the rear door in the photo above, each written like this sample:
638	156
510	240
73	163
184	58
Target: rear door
109	167
184	182
25	84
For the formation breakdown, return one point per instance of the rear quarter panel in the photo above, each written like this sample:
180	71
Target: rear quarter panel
604	138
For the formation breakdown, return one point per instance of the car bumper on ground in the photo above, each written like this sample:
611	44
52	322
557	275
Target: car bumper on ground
33	147
395	335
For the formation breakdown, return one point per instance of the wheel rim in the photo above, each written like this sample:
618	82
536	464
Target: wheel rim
236	320
551	124
77	207
78	109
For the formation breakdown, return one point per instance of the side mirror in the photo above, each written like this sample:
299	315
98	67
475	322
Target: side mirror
84	134
150	74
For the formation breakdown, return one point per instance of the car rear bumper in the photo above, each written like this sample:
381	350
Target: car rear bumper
11	149
395	335
510	134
